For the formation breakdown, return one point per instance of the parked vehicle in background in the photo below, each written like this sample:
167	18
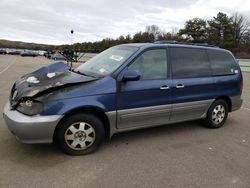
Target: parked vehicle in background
2	51
47	54
126	87
57	56
41	52
14	52
29	54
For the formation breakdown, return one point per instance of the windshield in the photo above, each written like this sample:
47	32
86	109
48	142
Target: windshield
107	61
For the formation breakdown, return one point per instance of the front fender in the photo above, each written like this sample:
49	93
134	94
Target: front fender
104	103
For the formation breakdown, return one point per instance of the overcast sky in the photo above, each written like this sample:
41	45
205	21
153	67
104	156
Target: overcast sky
50	21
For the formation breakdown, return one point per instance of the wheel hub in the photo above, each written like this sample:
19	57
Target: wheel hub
80	135
219	114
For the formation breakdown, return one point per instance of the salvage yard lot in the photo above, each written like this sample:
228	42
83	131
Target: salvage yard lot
179	155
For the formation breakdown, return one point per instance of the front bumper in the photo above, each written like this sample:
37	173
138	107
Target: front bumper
30	129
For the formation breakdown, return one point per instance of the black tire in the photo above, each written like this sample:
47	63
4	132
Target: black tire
64	126
217	122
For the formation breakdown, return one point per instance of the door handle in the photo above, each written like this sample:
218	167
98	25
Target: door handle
164	87
178	86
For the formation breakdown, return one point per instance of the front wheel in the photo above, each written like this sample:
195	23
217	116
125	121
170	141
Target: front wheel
80	134
217	114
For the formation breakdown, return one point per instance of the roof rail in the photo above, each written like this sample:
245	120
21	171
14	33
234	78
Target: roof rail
185	43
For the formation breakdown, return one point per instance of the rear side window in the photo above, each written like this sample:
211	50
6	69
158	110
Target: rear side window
189	63
222	62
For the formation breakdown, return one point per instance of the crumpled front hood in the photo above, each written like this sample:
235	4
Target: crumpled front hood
45	80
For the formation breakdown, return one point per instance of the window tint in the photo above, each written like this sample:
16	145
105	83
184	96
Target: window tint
189	63
222	62
152	64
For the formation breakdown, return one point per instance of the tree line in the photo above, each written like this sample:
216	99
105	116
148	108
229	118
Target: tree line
230	32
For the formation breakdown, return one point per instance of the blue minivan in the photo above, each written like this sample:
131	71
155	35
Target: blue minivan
126	87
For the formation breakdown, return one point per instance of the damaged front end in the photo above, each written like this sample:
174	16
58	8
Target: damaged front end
43	81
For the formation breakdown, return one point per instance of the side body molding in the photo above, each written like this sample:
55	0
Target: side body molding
138	118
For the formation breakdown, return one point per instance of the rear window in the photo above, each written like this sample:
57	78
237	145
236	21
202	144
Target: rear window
222	62
189	63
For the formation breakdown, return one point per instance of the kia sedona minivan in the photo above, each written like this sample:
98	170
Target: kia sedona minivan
126	87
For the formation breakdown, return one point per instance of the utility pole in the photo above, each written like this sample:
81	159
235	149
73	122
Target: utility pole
71	55
71	38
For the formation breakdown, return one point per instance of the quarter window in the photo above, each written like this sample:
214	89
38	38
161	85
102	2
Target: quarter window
222	62
152	64
189	63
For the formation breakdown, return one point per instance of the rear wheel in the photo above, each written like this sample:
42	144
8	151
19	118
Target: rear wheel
80	134
217	114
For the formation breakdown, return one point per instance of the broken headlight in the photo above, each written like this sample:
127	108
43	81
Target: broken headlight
30	107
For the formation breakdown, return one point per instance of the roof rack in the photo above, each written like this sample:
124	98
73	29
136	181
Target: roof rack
185	43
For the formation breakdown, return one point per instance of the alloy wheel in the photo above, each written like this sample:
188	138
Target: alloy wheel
80	136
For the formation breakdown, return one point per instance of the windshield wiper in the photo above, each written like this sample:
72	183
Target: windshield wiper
84	74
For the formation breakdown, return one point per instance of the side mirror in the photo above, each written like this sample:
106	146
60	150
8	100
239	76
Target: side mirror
131	75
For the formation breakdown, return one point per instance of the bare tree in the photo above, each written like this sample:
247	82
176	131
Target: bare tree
240	26
153	29
246	41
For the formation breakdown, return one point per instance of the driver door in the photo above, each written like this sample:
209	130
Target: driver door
146	102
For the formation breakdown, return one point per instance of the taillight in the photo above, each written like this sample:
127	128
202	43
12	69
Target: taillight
241	86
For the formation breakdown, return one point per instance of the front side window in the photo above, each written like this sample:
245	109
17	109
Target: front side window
189	63
107	62
152	64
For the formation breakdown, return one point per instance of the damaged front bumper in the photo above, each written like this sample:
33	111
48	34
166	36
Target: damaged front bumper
31	129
